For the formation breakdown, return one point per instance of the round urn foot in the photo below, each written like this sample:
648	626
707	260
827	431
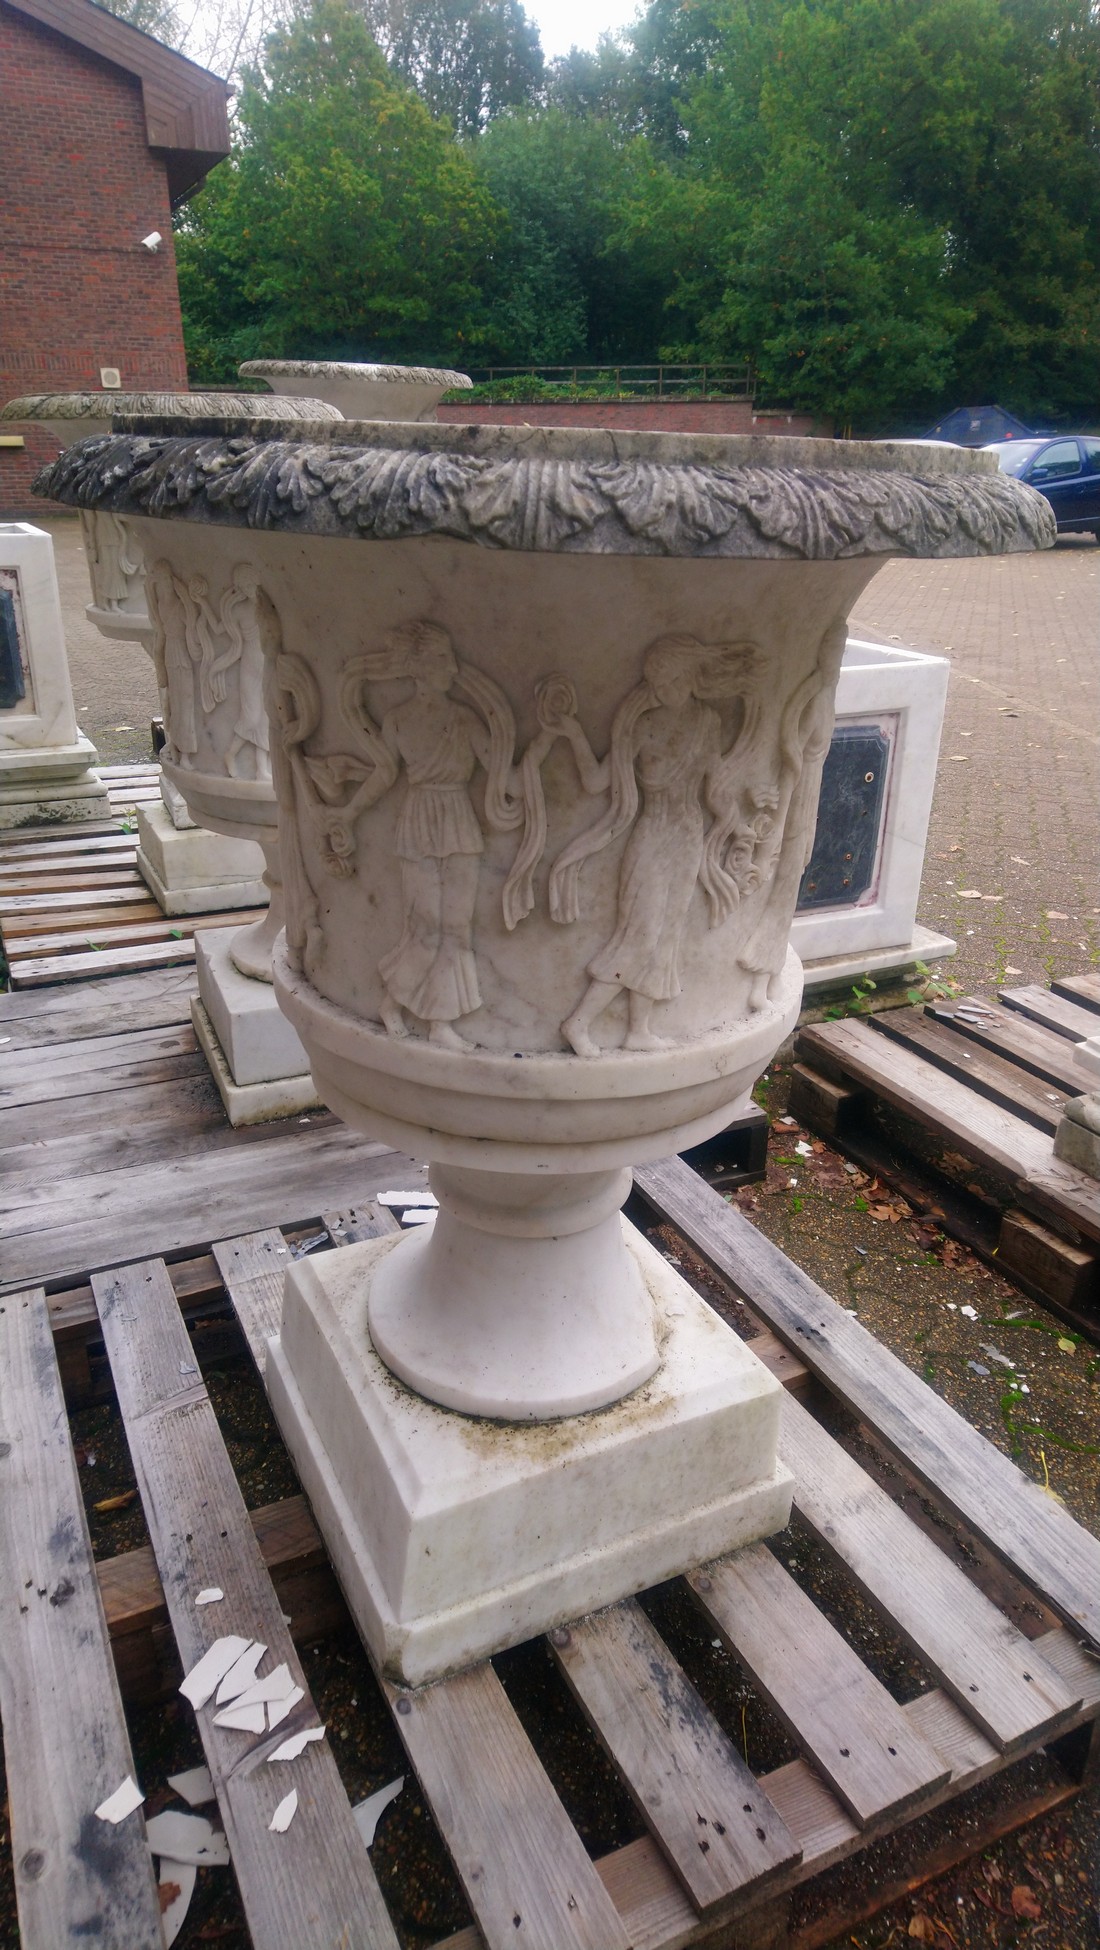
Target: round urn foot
252	947
521	1302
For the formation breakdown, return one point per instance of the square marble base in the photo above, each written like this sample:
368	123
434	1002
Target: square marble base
454	1537
190	870
259	1044
251	1103
50	785
839	971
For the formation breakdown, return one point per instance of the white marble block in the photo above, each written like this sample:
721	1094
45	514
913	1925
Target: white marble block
45	759
189	870
452	1537
257	1059
891	702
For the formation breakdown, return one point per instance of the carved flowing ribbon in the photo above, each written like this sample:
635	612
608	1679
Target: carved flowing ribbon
555	699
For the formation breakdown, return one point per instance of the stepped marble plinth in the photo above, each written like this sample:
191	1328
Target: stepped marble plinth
46	775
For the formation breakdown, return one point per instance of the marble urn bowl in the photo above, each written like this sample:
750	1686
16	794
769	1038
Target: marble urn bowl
361	392
189	869
548	713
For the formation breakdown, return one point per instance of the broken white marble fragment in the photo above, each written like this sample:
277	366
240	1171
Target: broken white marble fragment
279	1708
241	1673
122	1802
194	1786
284	1813
211	1596
368	1813
297	1744
273	1686
246	1719
216	1661
187	1838
174	1913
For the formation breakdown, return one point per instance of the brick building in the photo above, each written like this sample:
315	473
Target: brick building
102	132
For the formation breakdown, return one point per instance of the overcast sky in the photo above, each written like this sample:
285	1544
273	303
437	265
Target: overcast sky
563	24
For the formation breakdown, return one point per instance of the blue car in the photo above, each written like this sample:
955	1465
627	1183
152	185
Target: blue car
1065	467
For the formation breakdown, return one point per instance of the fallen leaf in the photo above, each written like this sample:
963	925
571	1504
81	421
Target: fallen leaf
167	1891
921	1928
1026	1903
120	1502
1067	1346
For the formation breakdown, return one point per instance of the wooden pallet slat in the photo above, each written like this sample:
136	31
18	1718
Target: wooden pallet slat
843	1719
1022	1042
1023	1526
91	1055
106	939
314	1883
37	969
1084	989
148	1000
522	1865
706	1810
971	1648
77	1879
1055	1012
983	1070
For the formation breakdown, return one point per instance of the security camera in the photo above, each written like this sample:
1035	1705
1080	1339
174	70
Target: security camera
153	242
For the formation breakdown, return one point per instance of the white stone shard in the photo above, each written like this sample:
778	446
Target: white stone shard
194	1786
297	1744
275	1685
246	1719
187	1838
284	1813
213	1595
203	1679
182	1877
242	1673
122	1802
368	1813
278	1709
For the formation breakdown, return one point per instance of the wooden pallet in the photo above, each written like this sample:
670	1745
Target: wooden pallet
73	904
113	1152
866	1765
967	1095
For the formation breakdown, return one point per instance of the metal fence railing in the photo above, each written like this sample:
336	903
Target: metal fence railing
627	382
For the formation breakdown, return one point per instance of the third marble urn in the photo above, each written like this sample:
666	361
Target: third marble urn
548	713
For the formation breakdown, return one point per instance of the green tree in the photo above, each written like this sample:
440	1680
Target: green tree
347	221
558	290
467	59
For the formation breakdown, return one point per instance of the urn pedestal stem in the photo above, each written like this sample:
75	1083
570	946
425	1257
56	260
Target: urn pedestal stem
253	946
520	1301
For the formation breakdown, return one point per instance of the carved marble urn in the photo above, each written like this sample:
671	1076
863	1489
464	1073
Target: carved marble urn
361	392
548	713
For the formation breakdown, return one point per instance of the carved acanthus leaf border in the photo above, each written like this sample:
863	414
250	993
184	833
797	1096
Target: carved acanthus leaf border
558	505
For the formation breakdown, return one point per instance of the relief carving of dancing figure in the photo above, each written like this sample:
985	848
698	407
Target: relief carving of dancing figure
114	558
805	734
439	742
666	770
175	651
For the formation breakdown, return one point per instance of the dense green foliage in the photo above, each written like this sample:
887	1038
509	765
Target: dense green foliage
887	206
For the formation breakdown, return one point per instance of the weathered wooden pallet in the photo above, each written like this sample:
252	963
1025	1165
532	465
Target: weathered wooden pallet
73	904
866	1765
972	1091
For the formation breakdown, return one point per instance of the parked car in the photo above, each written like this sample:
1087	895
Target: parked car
1065	467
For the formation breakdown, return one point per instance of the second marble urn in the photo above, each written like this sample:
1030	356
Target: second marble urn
548	711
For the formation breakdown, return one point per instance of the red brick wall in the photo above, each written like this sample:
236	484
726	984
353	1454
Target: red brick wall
656	416
79	189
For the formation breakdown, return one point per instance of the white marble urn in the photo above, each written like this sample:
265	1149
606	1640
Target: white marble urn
548	711
361	391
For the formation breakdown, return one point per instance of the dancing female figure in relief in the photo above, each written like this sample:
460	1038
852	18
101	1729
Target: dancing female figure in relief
175	652
666	753
440	742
